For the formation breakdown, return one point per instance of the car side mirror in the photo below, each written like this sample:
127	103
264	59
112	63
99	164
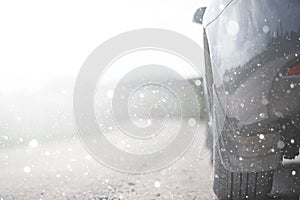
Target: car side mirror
198	16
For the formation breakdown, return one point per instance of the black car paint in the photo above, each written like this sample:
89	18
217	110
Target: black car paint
251	45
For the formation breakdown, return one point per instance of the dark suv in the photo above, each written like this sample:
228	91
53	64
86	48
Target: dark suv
253	91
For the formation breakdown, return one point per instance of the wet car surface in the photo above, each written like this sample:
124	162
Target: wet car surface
252	78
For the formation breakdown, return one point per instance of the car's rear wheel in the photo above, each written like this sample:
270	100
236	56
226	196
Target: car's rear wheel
231	185
239	186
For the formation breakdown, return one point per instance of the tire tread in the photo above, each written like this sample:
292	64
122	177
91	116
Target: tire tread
241	186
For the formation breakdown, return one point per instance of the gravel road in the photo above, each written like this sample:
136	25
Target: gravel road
64	170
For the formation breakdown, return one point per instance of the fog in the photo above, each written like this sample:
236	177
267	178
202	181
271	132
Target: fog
44	44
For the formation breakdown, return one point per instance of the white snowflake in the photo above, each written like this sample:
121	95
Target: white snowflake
27	169
197	82
110	94
266	29
261	136
33	143
232	27
157	184
192	122
292	85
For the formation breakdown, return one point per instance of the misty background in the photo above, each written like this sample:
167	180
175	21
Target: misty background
43	45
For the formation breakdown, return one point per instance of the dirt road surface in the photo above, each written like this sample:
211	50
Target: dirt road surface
64	170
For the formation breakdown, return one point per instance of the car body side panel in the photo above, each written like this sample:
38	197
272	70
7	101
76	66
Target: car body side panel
250	42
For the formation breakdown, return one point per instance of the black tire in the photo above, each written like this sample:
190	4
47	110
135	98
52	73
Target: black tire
239	186
232	185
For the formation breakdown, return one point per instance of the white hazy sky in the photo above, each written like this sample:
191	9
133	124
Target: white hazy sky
44	40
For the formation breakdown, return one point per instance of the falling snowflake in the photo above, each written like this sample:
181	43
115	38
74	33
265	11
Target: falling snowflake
262	115
292	141
27	169
266	29
221	6
197	82
192	122
232	27
292	85
88	157
261	136
142	95
157	184
110	94
264	101
33	143
280	144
